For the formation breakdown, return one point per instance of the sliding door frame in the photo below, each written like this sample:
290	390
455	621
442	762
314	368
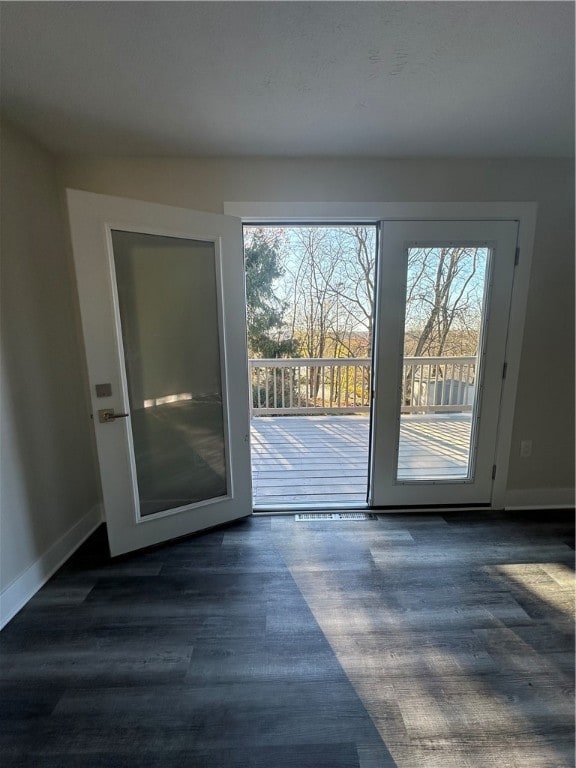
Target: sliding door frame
522	212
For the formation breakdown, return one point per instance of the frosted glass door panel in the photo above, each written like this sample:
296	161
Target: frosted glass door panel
168	301
443	332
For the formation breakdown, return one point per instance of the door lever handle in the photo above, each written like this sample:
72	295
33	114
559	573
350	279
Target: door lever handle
106	415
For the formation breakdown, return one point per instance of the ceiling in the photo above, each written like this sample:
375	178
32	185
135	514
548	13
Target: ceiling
338	79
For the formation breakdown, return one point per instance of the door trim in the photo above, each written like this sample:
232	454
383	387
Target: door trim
524	213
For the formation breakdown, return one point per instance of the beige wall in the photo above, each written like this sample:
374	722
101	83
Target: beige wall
545	404
47	477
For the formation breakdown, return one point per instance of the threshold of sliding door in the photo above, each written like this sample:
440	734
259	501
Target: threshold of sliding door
291	509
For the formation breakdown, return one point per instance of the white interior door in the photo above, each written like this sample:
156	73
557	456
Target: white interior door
444	299
162	302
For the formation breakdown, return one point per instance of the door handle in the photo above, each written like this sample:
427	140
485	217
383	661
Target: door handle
106	415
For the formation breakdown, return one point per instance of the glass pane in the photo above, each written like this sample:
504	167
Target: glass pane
442	340
169	315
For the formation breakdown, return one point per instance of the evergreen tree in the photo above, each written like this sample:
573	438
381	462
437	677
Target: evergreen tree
265	312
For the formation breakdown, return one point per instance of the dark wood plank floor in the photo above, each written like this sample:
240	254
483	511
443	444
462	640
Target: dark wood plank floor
408	641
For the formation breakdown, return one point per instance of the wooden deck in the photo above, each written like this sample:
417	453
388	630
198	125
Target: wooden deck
324	459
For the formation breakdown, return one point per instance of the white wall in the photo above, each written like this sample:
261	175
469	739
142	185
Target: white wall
545	404
49	492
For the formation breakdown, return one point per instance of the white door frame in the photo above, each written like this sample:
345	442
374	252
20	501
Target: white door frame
522	212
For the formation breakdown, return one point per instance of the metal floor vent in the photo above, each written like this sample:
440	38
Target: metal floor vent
310	516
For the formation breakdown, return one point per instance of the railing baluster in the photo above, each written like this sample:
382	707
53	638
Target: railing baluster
456	383
456	373
296	395
261	389
293	386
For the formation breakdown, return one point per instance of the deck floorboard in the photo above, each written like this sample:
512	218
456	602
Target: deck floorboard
324	459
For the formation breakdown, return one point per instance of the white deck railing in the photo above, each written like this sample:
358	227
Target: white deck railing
342	385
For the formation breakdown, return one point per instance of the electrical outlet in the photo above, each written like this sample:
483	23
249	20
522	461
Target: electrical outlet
525	449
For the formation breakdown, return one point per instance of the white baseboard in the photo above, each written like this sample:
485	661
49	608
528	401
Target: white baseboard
15	596
540	498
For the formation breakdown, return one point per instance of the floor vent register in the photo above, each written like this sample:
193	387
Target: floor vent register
306	517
